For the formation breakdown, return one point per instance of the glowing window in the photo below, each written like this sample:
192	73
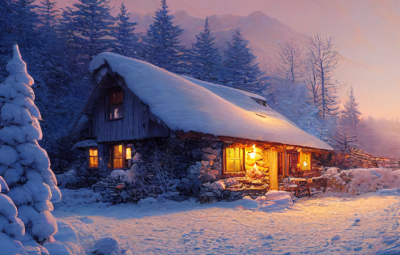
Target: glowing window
93	158
305	162
117	156
115	105
234	160
128	153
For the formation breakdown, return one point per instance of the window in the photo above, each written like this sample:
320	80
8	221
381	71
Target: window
305	162
93	158
115	104
118	161
128	154
234	160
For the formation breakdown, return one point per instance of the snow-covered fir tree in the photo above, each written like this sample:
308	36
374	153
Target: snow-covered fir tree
126	37
205	60
24	165
47	13
241	71
162	45
88	27
12	229
350	117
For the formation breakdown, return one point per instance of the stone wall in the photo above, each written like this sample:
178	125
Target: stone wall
177	168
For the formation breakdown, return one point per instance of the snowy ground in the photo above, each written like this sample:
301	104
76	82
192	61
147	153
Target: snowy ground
331	223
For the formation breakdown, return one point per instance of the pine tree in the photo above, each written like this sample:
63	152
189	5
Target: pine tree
48	12
205	61
350	118
240	70
162	42
11	227
24	165
88	28
126	38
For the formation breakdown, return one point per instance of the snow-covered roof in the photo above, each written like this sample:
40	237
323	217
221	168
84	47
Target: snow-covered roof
85	144
190	105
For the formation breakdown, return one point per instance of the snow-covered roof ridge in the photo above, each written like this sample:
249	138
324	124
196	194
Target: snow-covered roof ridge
183	104
208	85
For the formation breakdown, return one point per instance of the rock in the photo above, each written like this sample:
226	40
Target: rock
208	157
193	176
185	180
205	163
136	158
194	169
215	152
203	170
120	186
217	166
207	150
106	246
215	172
211	162
214	145
207	194
196	153
234	195
207	177
217	159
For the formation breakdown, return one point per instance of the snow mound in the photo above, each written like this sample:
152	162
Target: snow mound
271	201
79	197
362	180
206	108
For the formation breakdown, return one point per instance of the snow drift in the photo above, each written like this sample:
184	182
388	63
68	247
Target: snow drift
361	180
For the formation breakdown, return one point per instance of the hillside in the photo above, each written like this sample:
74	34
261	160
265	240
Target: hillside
263	32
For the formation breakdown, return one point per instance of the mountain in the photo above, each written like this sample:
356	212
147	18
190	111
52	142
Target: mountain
263	32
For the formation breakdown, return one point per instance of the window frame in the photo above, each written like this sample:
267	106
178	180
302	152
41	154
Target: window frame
112	158
225	159
96	149
110	104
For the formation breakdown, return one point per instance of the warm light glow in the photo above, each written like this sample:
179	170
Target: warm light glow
255	166
304	163
93	158
253	154
128	153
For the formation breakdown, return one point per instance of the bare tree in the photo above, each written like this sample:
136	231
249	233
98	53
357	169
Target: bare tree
311	81
290	67
323	56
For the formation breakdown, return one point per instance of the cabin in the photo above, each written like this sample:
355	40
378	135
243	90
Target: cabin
223	133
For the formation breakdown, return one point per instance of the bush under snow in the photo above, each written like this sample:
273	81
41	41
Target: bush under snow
79	197
361	180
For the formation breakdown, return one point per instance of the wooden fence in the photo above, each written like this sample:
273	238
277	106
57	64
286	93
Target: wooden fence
363	159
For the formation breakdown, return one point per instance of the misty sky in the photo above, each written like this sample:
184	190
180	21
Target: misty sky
367	33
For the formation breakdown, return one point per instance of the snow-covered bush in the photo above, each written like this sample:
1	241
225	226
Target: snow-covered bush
361	180
24	165
79	197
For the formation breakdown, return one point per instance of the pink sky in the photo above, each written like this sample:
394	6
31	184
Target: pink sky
366	32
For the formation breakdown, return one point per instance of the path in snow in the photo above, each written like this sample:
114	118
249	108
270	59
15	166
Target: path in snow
364	224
